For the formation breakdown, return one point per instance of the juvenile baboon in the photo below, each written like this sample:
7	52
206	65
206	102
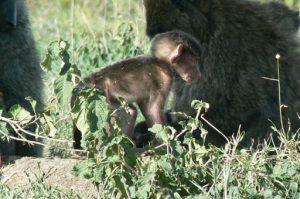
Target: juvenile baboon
239	44
146	80
20	75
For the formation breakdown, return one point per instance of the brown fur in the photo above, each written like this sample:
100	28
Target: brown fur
146	80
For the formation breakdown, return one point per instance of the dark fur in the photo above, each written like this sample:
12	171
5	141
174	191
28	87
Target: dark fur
20	76
284	18
239	43
143	137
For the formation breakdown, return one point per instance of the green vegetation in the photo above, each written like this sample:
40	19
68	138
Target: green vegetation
74	38
292	3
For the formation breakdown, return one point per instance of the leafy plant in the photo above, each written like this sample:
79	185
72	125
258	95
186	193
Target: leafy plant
178	168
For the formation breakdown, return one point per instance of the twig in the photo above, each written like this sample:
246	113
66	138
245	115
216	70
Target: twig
181	133
22	139
159	146
211	125
279	93
16	127
271	79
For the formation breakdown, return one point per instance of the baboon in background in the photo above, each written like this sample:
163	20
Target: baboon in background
239	44
145	80
278	14
284	18
20	75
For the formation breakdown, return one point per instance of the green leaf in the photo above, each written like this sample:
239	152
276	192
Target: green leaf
130	156
176	195
160	132
49	122
268	194
291	170
46	63
197	104
32	103
120	185
294	187
144	184
3	128
65	67
165	165
19	113
81	121
81	169
97	111
63	88
63	45
177	148
51	56
132	192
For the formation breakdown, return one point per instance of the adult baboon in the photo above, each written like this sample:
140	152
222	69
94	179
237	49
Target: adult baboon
21	75
239	43
284	18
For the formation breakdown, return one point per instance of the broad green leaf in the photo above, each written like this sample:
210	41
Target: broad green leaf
32	103
63	88
46	63
177	196
49	121
294	187
165	164
197	104
130	156
4	130
97	112
19	113
160	132
51	56
268	194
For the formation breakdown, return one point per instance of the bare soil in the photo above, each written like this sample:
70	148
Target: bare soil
56	174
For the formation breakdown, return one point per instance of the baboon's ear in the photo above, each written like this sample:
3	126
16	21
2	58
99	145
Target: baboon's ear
176	54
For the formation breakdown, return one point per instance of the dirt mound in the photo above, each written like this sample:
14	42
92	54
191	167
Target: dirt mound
56	173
